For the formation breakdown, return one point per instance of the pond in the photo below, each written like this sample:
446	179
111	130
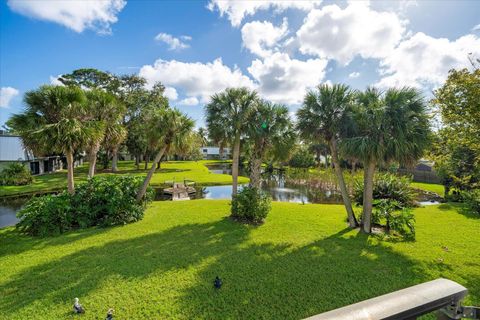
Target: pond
276	184
8	210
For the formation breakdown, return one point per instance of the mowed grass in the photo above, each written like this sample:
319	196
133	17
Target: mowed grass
432	187
171	170
301	262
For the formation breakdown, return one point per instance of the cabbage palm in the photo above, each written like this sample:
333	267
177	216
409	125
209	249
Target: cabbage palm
56	119
227	117
203	136
324	117
164	126
269	127
108	112
390	126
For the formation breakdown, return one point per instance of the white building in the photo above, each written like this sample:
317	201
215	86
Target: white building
12	150
214	153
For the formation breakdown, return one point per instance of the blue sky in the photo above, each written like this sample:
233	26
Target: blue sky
196	48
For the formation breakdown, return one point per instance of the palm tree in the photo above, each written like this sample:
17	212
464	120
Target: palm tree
393	126
56	119
269	126
165	126
115	134
108	112
203	135
227	117
324	117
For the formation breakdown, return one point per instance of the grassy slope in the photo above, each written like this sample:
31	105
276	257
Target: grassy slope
302	261
437	188
179	170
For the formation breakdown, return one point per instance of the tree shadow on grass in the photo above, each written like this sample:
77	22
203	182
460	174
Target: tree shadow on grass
261	280
268	282
76	275
13	242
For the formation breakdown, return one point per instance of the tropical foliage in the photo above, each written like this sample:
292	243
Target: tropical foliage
390	187
390	126
251	205
57	120
165	127
227	117
15	174
324	116
101	201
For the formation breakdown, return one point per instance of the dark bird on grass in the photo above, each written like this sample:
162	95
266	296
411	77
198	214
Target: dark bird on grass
110	314
217	283
77	307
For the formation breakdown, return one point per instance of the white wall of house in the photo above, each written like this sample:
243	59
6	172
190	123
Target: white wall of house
11	149
214	152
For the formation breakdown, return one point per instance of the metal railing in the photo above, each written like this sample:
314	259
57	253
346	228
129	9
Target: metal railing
441	295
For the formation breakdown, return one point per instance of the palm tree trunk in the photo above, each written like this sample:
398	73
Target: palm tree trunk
236	156
255	172
368	196
92	160
115	159
70	182
352	221
146	182
146	161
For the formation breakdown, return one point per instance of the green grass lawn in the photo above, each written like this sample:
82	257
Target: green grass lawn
437	188
302	261
178	170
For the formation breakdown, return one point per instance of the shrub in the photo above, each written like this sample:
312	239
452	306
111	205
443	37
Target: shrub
302	158
394	217
251	205
388	186
15	174
46	215
102	201
472	200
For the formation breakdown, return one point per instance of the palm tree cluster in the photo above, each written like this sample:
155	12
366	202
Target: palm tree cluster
372	127
238	117
94	110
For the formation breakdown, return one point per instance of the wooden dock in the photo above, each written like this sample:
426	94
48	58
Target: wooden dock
180	191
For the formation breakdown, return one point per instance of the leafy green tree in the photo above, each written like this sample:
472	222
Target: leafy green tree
165	127
456	149
389	127
57	119
91	78
269	126
323	117
227	117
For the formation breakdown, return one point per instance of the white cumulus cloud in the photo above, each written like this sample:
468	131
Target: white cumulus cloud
425	61
172	42
261	38
341	34
192	101
77	15
6	95
195	79
236	10
285	80
171	93
354	75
